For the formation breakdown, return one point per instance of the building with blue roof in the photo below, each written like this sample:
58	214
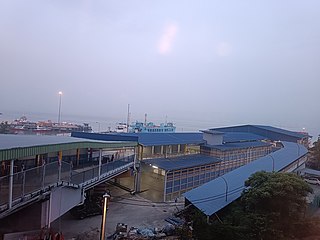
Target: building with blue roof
174	163
220	192
154	145
268	132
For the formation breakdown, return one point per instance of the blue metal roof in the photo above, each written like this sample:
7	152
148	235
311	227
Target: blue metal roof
146	139
187	161
230	137
210	197
269	132
238	145
157	139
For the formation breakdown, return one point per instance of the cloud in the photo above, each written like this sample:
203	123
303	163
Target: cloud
224	49
167	39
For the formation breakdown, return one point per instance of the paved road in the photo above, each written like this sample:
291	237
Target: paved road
123	208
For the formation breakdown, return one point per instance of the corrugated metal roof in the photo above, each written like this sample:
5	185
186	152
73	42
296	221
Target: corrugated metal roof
210	197
238	145
157	139
148	139
181	162
230	137
269	132
18	146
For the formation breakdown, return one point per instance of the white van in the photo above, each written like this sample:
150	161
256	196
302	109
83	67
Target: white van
312	181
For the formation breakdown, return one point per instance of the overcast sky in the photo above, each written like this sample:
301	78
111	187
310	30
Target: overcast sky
206	63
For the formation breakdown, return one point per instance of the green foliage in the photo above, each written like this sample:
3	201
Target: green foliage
314	161
271	207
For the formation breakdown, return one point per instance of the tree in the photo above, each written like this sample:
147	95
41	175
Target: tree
314	160
275	203
273	206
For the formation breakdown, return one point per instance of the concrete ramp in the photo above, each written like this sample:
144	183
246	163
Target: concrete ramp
62	199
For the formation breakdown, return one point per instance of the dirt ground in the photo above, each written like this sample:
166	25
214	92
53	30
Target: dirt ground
134	211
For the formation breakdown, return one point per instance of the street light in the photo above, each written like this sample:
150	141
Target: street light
106	198
59	116
226	187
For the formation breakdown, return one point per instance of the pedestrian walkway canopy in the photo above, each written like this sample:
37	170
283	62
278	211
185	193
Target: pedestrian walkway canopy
218	193
19	146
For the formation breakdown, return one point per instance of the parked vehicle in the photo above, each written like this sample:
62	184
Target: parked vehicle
312	181
92	206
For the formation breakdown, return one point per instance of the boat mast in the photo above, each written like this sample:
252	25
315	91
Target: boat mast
128	118
145	119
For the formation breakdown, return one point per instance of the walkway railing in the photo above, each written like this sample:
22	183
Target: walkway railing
92	173
35	181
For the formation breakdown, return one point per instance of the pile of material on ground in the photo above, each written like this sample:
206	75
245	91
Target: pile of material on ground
123	233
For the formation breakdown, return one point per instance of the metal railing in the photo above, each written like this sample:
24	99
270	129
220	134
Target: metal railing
39	179
111	167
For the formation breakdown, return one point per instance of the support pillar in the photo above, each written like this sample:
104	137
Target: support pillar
60	166
100	162
78	156
179	147
137	173
11	183
152	150
161	150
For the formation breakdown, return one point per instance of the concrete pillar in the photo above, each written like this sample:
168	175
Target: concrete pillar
11	183
161	150
179	146
60	165
100	162
78	156
152	150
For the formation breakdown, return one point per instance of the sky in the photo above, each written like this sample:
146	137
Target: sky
200	63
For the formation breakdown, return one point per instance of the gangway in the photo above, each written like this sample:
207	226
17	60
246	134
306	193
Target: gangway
39	183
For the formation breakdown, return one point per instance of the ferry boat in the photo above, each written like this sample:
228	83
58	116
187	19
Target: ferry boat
150	127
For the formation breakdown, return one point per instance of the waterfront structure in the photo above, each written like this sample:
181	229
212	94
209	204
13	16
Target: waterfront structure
213	196
24	126
165	159
43	177
176	175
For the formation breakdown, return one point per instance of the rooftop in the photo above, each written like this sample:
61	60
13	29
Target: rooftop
186	161
210	197
147	139
269	132
238	145
17	146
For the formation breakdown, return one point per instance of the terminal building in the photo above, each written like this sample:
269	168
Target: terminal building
37	172
171	164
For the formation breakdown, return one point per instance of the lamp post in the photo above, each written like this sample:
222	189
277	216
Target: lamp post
59	116
106	198
226	187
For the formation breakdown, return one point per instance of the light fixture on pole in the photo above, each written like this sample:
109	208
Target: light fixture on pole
59	116
106	198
